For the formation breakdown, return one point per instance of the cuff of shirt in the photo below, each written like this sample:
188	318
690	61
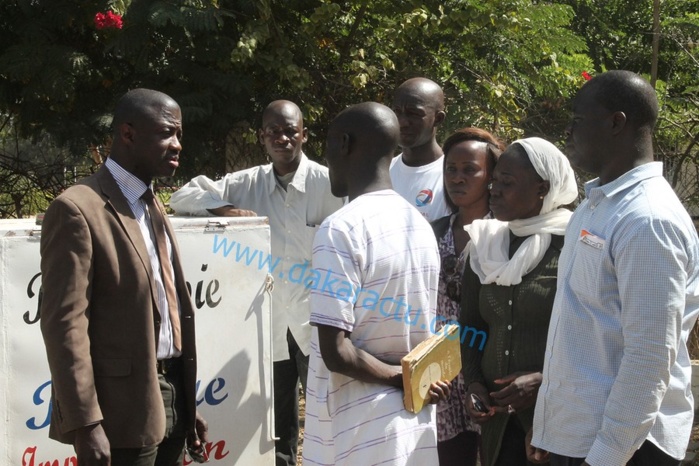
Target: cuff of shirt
603	455
215	204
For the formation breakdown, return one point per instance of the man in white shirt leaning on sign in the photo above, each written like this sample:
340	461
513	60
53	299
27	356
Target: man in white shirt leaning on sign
294	193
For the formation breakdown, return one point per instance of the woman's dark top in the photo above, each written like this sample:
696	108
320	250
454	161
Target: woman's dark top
516	321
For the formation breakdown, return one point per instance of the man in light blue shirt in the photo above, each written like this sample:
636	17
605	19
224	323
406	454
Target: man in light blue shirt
616	386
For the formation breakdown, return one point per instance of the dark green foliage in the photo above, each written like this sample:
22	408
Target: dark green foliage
510	66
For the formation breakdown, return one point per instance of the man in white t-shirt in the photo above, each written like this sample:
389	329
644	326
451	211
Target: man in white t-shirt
416	174
373	296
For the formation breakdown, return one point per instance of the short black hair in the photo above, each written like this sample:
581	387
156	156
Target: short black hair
372	128
137	103
494	147
627	92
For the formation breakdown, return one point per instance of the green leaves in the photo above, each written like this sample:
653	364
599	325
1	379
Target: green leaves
510	66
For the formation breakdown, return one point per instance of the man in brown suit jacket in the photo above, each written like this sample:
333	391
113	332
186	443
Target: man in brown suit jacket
123	379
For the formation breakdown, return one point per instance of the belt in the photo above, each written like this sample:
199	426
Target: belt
168	365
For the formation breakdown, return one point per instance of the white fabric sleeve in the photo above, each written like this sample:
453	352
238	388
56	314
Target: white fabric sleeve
336	279
201	194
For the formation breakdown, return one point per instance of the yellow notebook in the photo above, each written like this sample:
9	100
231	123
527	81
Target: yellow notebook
437	358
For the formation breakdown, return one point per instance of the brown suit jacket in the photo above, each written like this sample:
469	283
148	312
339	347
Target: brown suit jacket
99	319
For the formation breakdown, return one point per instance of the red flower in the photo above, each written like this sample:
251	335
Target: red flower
586	75
108	20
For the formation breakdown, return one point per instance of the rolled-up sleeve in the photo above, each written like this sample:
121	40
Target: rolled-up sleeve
202	193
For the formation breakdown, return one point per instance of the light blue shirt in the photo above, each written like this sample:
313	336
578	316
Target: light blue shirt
617	369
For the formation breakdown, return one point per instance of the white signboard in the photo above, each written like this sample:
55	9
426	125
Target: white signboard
230	291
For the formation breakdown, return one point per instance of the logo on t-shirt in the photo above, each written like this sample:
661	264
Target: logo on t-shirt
424	197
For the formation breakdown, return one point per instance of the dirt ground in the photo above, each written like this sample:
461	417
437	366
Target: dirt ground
302	422
693	445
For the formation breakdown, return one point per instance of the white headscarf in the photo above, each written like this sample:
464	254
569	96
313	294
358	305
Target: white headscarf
490	239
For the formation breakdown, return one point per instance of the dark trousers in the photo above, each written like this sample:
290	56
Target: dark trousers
170	452
647	455
512	451
461	450
286	402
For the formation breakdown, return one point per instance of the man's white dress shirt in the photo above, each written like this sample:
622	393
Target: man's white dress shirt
294	216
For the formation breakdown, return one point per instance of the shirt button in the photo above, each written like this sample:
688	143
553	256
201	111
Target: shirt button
288	231
509	302
509	327
507	352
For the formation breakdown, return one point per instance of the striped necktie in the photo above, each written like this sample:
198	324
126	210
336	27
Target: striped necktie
158	224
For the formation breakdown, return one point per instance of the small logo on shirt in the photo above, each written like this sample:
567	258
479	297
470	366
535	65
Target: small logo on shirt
591	240
424	197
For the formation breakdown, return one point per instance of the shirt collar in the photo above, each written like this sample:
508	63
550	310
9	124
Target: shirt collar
299	181
131	186
628	179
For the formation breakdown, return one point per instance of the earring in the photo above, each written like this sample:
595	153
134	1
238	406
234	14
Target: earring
541	197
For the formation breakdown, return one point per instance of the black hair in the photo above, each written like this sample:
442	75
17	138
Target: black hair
137	103
627	92
494	147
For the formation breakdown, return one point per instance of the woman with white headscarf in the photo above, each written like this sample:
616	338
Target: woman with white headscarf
508	293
